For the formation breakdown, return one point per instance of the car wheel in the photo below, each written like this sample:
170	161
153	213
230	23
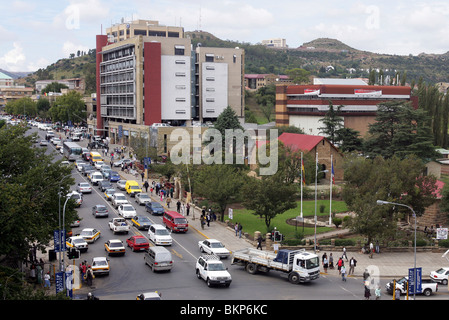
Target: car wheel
427	292
209	284
198	274
444	282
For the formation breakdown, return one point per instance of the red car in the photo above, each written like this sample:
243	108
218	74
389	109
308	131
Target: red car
138	243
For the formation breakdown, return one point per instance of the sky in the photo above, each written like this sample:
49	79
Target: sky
35	34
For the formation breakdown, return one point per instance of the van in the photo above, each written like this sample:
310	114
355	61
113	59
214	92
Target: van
132	187
158	258
95	156
175	222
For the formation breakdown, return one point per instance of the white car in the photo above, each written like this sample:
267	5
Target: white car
77	242
83	187
159	235
440	275
100	265
77	197
127	211
115	246
213	271
95	177
213	246
99	164
79	164
90	235
118	199
142	198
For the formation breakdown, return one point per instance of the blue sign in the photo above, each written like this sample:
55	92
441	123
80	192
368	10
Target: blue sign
120	131
59	282
146	162
59	240
412	275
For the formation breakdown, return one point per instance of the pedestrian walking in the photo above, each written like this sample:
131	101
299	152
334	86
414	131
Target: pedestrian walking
89	276
340	263
325	263
344	254
377	292
377	246
202	221
367	293
168	202
146	185
352	265
236	228
208	219
343	273
240	230
178	206
142	175
259	242
188	208
47	280
83	269
331	261
397	294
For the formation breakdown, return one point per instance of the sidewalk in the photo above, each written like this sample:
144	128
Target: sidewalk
387	265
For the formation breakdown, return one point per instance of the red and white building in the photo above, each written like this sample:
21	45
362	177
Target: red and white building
304	106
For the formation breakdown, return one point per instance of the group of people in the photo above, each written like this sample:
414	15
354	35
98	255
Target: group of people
207	217
87	274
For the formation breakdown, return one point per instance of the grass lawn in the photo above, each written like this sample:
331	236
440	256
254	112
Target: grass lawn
252	223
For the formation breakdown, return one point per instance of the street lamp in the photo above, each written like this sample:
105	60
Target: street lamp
316	187
381	202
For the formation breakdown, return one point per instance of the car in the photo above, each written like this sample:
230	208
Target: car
121	184
87	169
153	295
58	146
77	197
127	211
95	177
83	187
55	141
108	193
100	266
155	208
114	176
138	243
142	198
440	275
119	163
114	247
104	184
213	246
141	222
118	199
159	235
99	164
90	235
79	165
43	143
105	168
77	242
212	270
75	223
100	210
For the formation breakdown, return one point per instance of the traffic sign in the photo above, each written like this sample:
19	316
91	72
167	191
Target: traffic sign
59	281
412	275
59	240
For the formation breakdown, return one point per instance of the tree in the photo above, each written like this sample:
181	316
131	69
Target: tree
349	140
298	75
332	123
22	106
268	197
54	87
69	106
219	183
30	182
393	180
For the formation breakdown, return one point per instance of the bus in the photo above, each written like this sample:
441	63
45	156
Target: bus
72	150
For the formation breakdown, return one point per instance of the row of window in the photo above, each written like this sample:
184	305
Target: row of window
118	88
123	100
124	64
117	54
117	77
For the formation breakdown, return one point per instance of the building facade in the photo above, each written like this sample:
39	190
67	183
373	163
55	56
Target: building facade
304	106
149	74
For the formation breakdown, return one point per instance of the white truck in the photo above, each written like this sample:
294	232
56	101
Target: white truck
427	285
296	265
118	225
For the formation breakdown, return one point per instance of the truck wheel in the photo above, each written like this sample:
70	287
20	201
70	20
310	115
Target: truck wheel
251	268
293	278
444	282
209	284
427	292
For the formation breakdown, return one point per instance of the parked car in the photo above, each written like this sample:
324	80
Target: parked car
83	187
100	210
142	198
155	208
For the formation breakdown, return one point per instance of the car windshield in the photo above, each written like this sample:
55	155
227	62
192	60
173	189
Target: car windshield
76	241
110	191
100	263
120	198
102	209
84	184
216	267
156	205
135	187
141	240
115	244
216	245
128	208
144	196
162	232
86	233
180	220
143	219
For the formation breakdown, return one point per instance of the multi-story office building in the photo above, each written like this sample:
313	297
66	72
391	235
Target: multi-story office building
148	74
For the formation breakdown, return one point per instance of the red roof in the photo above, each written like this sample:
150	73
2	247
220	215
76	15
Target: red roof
298	141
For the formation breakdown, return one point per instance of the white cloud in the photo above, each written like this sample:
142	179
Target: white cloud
14	59
70	47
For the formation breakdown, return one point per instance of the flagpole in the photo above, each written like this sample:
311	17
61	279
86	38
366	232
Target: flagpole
330	191
302	181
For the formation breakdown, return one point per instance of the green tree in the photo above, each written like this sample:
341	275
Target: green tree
332	123
69	106
54	87
22	106
393	180
268	197
219	183
30	182
298	75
